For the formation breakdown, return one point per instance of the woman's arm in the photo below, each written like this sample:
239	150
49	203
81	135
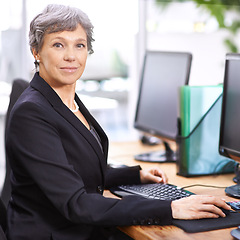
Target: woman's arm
38	157
122	176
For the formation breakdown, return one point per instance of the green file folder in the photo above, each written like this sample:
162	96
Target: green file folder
200	112
195	102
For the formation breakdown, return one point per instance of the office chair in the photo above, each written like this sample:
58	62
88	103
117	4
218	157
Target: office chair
3	220
18	86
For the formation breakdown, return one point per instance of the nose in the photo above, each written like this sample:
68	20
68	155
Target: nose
69	55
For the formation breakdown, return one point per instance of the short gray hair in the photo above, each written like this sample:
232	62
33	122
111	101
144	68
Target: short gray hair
57	18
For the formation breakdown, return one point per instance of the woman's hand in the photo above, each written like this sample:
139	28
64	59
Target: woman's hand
153	175
198	206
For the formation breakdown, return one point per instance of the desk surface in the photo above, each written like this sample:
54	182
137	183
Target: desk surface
123	152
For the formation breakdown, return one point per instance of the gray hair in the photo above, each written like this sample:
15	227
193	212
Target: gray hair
57	18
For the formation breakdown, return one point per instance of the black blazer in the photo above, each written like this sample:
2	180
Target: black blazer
59	172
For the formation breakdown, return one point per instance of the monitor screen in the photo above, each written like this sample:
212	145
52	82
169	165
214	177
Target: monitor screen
230	116
229	144
157	107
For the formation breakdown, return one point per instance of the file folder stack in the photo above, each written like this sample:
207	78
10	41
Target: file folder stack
200	113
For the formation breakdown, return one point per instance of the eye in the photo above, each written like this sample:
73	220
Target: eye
80	45
57	45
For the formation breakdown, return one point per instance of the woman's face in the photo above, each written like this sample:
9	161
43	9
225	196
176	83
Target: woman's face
63	57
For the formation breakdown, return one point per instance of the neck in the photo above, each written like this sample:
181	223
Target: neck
65	91
67	95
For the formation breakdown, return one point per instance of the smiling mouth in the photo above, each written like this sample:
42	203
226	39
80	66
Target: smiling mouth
69	69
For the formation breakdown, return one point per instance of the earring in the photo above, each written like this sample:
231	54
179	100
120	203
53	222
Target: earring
36	62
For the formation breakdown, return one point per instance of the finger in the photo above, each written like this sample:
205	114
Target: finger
221	203
205	215
224	205
217	202
162	175
213	209
165	179
155	179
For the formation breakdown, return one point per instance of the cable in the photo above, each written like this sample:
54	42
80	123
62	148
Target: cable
201	185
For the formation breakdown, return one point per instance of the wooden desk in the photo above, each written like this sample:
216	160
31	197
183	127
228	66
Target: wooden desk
123	152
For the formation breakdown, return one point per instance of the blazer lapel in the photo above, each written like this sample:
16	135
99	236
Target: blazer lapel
42	86
100	131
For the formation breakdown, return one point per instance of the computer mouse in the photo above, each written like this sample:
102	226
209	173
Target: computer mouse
226	211
236	233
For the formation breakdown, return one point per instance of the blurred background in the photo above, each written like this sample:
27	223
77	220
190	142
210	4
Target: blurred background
123	31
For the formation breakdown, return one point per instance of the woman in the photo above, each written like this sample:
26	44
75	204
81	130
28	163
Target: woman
58	152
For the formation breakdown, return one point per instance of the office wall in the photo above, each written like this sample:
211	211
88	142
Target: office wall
207	49
186	26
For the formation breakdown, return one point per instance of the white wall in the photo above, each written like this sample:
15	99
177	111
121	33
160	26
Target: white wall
189	27
207	49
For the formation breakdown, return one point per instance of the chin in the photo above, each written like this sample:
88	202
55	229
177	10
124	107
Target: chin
70	79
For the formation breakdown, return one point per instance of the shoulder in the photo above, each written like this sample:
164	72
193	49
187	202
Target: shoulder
29	105
31	114
31	96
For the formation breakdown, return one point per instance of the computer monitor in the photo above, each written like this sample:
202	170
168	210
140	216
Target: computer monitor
157	106
229	142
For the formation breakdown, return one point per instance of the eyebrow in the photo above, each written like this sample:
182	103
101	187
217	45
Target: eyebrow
61	38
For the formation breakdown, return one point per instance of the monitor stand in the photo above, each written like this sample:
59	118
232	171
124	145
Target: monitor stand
233	191
167	155
236	179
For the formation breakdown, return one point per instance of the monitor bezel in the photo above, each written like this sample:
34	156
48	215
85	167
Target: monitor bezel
223	150
138	125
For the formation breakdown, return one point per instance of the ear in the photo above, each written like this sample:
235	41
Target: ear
35	54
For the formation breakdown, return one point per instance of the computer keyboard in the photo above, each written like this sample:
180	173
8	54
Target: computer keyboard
153	191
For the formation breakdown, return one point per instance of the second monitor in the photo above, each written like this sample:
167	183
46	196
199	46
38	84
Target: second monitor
157	107
229	131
